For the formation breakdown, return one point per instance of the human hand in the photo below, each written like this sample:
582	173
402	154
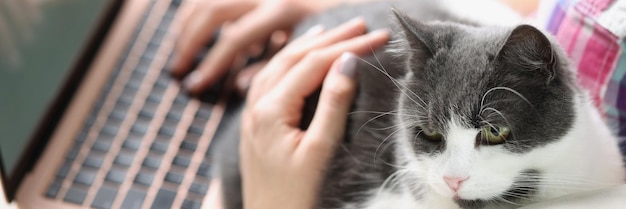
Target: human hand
251	24
283	166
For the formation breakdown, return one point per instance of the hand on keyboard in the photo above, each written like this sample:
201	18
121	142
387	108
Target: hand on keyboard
251	24
275	152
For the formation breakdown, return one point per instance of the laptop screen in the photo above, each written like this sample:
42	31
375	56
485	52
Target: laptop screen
40	41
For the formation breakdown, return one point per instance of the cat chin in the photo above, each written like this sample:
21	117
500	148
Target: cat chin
585	158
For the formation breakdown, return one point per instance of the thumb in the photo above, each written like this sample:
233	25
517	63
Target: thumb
329	122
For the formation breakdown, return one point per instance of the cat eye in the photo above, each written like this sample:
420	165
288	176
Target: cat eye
431	135
493	135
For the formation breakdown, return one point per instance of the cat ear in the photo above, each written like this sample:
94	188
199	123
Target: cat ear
529	49
415	36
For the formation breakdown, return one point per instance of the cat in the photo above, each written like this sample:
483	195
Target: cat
456	114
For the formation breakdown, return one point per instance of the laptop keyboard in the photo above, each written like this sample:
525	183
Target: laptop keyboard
145	143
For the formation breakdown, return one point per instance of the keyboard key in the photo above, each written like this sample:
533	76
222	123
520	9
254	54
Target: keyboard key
203	113
134	199
169	16
117	115
75	195
145	113
53	190
111	128
140	128
71	155
104	198
167	131
156	98
126	97
135	85
135	77
124	102
188	145
181	161
90	120
159	146
162	82
164	199
82	136
181	99
144	178
158	91
204	169
175	3
132	143
149	106
159	34
93	161
152	162
98	106
190	204
196	129
199	188
192	137
116	176
124	159
85	177
144	65
64	170
176	178
173	116
102	145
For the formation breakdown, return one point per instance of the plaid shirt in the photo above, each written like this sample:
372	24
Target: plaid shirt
592	32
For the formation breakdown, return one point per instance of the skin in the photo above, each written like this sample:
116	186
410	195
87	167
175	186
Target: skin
245	27
275	152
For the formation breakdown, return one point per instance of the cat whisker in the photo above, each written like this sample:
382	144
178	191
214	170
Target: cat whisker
392	112
506	89
393	80
494	110
370	120
383	142
398	85
507	201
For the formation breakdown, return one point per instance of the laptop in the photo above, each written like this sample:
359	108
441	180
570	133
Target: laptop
90	116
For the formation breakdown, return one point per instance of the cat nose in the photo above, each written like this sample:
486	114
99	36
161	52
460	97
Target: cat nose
454	182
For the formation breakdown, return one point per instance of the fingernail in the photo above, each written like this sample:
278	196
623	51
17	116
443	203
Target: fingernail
348	65
242	86
355	20
379	32
317	29
191	80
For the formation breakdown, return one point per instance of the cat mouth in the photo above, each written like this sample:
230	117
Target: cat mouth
525	187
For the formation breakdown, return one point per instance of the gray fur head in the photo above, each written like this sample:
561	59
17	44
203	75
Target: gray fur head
486	76
512	83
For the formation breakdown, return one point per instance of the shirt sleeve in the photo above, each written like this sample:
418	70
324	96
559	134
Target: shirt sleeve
592	34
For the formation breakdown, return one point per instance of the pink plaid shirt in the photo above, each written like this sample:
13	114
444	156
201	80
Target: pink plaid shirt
593	32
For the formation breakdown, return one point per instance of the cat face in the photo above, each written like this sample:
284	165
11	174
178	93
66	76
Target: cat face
478	108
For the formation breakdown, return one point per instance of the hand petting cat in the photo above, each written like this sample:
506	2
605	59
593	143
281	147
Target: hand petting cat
282	165
245	27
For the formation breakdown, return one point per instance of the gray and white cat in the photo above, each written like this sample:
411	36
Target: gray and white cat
455	115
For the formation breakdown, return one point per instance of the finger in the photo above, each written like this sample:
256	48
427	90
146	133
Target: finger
307	75
259	82
200	27
279	39
293	53
244	78
328	124
253	27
